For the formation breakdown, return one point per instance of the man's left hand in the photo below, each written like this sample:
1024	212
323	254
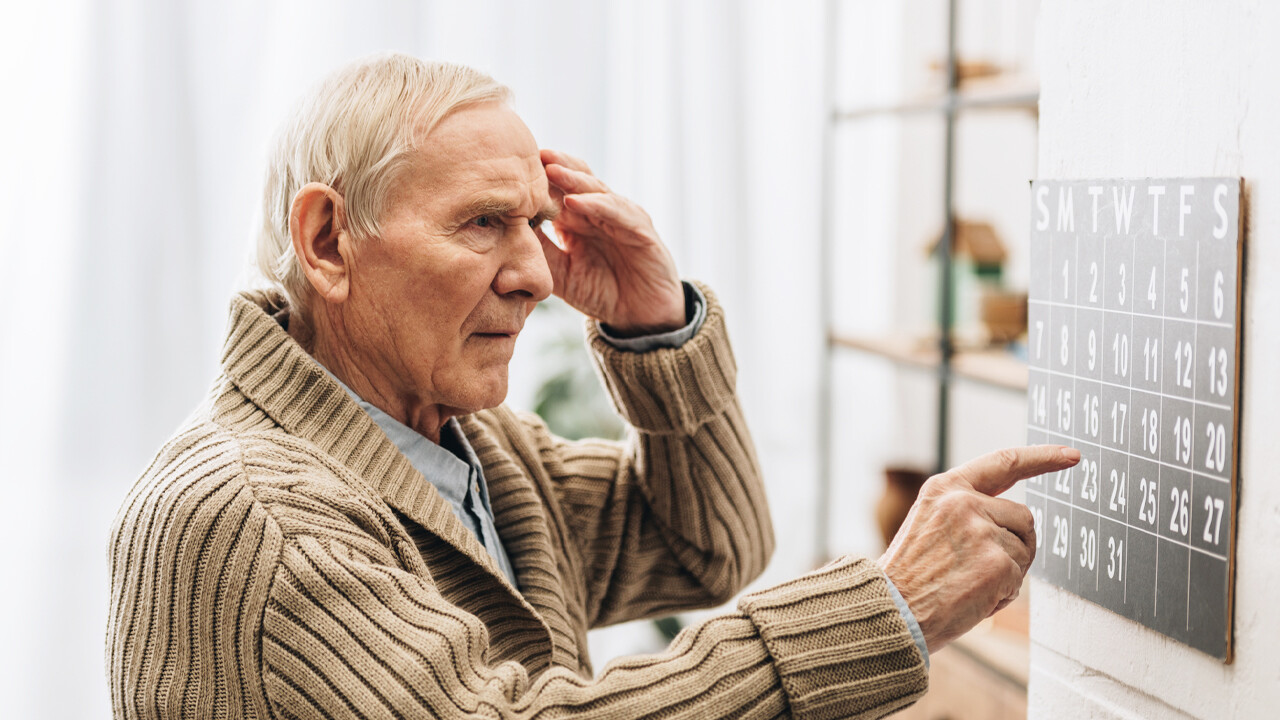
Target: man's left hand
611	265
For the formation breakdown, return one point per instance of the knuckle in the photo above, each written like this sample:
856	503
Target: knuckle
934	486
1007	460
952	503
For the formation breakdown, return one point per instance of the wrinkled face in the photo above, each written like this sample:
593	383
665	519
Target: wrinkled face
440	297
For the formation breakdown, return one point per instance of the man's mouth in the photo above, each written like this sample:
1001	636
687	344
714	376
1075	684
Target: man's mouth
499	333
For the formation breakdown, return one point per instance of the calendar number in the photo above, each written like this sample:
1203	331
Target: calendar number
1182	439
1037	519
1093	286
1178	521
1090	415
1151	363
1218	299
1093	349
1147	501
1064	410
1115	559
1089	480
1039	404
1119	421
1088	547
1117	490
1062	481
1150	431
1120	292
1183	355
1060	530
1120	347
1216	457
1218	371
1212	519
1151	290
1065	348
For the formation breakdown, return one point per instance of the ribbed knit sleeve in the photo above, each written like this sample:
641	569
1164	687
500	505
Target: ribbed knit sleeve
839	643
345	636
676	517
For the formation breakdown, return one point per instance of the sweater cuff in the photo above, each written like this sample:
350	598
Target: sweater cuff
670	390
838	642
916	633
695	312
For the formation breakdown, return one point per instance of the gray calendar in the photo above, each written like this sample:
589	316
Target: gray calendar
1133	344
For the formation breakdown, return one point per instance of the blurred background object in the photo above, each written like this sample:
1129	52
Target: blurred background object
570	398
901	486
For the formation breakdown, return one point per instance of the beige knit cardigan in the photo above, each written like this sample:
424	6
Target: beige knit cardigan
280	558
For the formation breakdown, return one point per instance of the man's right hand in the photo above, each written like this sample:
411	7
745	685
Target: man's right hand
962	552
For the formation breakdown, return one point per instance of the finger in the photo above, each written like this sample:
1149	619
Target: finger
571	223
996	472
574	181
565	159
1014	517
1015	547
1008	600
608	212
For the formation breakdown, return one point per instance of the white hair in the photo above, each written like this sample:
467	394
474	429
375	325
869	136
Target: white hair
355	132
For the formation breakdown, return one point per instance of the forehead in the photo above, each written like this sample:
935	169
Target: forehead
480	150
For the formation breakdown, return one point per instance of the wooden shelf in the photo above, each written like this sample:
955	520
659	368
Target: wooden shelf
990	367
1018	93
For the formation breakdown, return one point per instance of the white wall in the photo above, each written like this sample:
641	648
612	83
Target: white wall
1176	88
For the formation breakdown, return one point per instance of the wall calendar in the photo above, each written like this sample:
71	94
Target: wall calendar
1133	345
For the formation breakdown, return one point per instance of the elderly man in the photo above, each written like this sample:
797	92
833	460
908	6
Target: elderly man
352	525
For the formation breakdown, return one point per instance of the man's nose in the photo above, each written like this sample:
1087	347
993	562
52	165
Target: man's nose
526	273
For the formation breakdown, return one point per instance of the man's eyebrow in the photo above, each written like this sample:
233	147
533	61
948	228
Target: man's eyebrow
485	205
496	205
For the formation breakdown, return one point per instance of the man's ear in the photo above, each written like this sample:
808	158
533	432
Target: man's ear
317	224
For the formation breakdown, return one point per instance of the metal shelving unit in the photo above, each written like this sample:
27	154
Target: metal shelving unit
993	369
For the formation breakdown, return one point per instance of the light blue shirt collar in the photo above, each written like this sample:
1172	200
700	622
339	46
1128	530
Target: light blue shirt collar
460	482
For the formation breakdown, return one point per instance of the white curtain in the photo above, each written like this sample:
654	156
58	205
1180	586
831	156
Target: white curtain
132	145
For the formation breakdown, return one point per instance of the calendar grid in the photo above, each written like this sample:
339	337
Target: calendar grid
1202	551
1142	378
1211	404
1070	439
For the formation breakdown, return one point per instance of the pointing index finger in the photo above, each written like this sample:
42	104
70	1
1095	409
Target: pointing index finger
996	472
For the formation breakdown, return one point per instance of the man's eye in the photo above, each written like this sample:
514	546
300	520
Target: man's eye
483	221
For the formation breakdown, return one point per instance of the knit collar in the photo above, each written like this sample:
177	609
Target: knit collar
269	367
